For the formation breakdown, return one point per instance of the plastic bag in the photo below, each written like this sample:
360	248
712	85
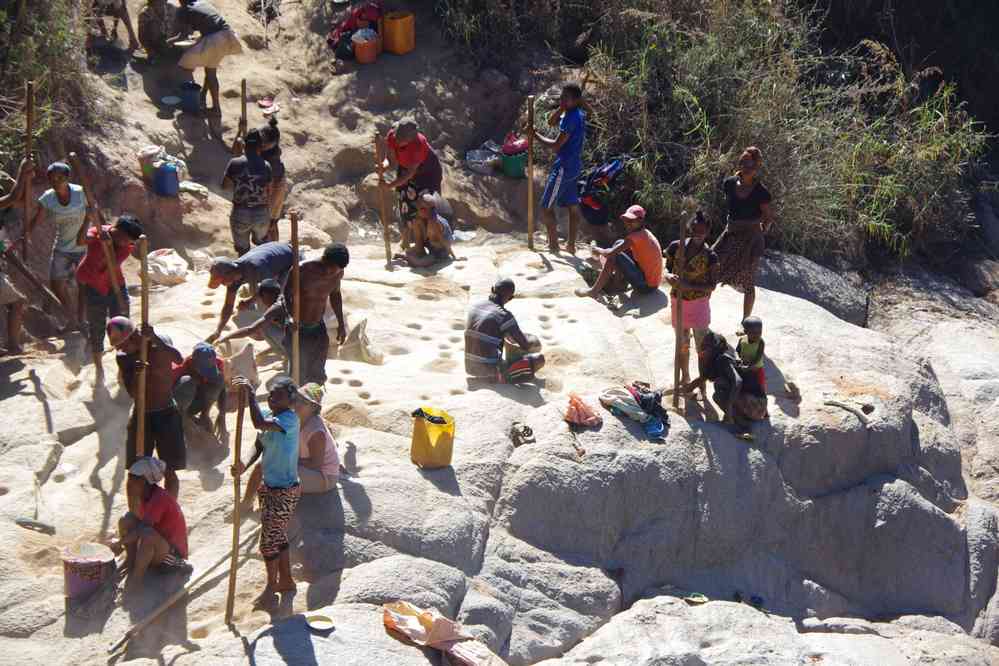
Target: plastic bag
357	346
423	627
433	441
514	145
364	35
482	161
619	400
167	267
579	413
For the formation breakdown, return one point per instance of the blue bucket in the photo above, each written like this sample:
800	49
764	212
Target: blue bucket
166	181
190	97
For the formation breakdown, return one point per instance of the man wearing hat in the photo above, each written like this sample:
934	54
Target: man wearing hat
199	383
490	327
164	425
153	532
636	260
267	261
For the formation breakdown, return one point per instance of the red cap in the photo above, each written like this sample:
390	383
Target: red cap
635	212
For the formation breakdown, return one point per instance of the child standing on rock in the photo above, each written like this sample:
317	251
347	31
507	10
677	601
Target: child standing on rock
280	491
751	350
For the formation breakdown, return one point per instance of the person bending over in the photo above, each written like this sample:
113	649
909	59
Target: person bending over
217	41
488	354
267	261
199	383
272	327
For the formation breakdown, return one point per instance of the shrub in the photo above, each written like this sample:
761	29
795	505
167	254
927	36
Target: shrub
862	162
46	46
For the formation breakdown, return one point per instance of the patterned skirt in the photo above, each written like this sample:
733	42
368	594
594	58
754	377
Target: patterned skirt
739	255
277	506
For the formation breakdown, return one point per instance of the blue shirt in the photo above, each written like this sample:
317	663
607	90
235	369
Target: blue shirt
280	459
570	156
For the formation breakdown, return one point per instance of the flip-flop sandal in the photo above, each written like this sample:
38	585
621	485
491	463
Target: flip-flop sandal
521	434
271	110
655	428
695	599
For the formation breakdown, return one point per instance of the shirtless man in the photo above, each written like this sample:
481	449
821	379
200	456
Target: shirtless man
164	425
320	283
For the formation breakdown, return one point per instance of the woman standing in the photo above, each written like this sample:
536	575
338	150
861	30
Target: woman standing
280	491
271	152
741	245
419	171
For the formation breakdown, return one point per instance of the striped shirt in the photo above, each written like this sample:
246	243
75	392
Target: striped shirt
488	324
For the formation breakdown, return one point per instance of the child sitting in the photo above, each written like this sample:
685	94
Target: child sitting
751	349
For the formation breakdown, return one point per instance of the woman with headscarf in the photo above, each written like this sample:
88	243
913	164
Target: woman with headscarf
736	388
741	244
419	171
153	532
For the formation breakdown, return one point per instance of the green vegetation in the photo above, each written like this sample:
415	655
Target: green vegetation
863	161
46	46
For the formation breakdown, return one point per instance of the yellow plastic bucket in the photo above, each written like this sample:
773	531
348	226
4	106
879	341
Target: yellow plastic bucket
432	443
400	32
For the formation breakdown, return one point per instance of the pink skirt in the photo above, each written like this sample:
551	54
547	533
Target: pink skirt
696	313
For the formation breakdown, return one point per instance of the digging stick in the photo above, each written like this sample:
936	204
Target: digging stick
29	121
109	260
296	305
140	391
237	452
32	278
237	148
379	160
678	329
174	598
530	172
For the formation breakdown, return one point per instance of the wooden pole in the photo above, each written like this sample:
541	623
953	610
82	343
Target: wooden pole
237	148
106	245
33	279
530	172
140	391
296	304
237	456
382	210
678	329
174	598
29	121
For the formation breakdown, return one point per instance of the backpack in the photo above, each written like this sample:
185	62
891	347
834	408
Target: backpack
595	188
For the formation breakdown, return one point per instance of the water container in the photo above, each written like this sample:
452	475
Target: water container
84	567
190	97
515	166
433	438
166	182
400	32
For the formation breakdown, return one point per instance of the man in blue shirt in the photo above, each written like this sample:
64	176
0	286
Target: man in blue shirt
561	188
280	491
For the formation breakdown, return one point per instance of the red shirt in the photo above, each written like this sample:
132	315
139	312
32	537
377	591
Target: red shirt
412	154
92	271
163	514
187	368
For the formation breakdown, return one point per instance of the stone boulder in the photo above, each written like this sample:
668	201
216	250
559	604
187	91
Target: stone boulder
665	630
797	276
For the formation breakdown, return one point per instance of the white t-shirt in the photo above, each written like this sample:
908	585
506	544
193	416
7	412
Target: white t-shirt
67	219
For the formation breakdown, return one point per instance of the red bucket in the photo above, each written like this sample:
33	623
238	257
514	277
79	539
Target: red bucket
84	568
